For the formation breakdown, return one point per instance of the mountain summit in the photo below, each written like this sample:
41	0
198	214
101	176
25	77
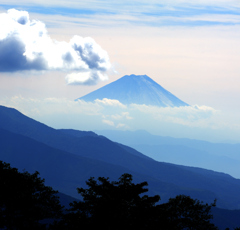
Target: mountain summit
136	89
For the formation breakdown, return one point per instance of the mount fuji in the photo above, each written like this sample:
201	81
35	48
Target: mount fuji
135	89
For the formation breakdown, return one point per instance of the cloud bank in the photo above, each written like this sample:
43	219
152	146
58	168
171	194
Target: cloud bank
26	45
199	122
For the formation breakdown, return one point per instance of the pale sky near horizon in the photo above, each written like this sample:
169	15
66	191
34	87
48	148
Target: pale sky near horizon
191	49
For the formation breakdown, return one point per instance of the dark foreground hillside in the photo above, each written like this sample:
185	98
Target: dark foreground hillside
27	203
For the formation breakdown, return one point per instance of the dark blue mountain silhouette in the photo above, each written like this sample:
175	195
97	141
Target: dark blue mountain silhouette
135	89
68	158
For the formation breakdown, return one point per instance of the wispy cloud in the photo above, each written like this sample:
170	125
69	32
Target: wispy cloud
108	122
192	116
151	13
26	45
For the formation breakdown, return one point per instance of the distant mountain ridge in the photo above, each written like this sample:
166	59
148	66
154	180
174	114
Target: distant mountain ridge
182	151
135	89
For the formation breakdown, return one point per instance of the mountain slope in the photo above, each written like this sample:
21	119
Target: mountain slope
65	171
136	89
62	170
111	158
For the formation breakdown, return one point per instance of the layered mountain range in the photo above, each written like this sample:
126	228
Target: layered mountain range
67	158
135	89
222	157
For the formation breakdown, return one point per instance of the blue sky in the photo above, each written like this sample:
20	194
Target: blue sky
164	13
191	49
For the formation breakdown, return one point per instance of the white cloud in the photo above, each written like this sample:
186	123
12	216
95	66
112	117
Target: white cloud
51	106
85	78
108	122
110	102
123	115
26	45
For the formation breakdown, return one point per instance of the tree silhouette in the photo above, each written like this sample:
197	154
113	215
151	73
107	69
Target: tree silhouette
112	205
25	202
122	205
183	212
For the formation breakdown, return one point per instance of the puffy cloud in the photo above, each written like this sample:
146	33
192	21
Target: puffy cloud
110	102
26	45
85	78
